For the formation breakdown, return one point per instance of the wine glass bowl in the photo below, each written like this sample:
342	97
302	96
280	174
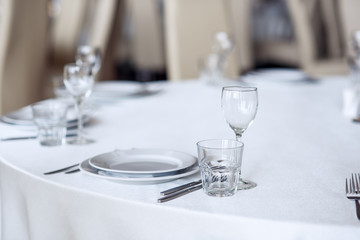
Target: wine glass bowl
239	106
89	55
356	42
79	81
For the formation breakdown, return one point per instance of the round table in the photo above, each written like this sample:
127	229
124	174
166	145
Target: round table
299	151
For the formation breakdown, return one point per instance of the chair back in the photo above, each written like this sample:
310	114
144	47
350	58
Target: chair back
80	22
190	26
23	46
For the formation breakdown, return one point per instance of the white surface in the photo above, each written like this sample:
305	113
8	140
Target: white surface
299	151
142	161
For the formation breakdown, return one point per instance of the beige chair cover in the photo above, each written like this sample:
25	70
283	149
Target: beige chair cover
79	22
240	23
190	26
146	48
350	18
303	14
23	41
273	33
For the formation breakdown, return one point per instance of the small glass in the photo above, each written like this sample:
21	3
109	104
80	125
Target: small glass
50	118
220	166
212	68
210	71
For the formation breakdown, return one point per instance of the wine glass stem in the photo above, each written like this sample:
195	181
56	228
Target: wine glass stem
238	137
80	119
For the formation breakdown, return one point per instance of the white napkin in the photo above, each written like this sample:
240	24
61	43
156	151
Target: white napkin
351	102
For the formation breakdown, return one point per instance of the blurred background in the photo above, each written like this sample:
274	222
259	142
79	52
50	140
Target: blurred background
165	40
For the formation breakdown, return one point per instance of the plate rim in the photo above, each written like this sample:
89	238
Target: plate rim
135	180
190	163
71	121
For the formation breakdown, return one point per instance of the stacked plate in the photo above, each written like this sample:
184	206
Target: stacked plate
23	117
109	91
277	75
141	166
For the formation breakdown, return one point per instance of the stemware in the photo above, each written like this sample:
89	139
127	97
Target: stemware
356	42
222	47
79	81
89	55
212	67
239	106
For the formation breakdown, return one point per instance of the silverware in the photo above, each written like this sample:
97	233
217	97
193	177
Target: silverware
31	137
73	171
181	187
179	193
62	169
353	191
181	190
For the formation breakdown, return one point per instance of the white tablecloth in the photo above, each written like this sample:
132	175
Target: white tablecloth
299	150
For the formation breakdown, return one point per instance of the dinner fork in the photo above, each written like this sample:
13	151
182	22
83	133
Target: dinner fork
62	169
353	191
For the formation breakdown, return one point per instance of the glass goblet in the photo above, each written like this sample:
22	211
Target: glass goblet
239	106
79	81
89	55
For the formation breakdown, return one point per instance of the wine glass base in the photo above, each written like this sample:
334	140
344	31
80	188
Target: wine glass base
80	141
245	184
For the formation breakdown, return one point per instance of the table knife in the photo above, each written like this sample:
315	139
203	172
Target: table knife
179	193
176	189
30	137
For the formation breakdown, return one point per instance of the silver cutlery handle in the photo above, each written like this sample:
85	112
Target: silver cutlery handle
357	205
175	189
179	194
73	171
62	169
31	137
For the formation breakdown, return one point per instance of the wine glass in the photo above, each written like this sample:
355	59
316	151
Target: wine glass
356	42
239	106
89	55
79	81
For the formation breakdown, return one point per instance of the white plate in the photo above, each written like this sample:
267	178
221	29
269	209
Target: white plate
276	75
114	89
23	117
142	161
86	168
110	90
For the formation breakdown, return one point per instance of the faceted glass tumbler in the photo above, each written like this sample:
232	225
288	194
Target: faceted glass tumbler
220	164
50	118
